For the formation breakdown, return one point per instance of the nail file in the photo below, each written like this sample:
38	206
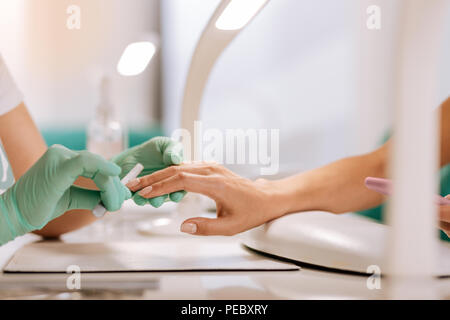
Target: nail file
384	186
99	211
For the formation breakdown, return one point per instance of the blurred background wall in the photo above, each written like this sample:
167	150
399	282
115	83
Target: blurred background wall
310	68
59	70
296	68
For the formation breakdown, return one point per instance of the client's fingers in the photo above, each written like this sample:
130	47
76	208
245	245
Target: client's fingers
181	181
145	181
195	168
222	226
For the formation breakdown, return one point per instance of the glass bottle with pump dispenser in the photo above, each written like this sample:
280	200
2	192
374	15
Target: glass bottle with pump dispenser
105	134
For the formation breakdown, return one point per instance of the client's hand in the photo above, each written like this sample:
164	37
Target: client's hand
155	154
46	190
444	216
241	204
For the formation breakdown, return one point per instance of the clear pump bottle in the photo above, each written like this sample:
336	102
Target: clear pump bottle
105	134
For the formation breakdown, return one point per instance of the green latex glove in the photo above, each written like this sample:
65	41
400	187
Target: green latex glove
46	191
155	154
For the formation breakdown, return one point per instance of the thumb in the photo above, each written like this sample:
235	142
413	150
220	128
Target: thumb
173	153
222	226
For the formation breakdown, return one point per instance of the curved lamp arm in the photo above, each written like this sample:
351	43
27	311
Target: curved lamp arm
230	17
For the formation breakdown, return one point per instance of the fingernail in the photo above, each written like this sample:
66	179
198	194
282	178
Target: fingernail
133	183
190	228
145	192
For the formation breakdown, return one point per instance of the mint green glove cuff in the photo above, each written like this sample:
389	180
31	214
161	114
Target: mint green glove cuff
12	223
7	229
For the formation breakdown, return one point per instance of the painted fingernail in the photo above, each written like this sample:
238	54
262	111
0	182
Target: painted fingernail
145	192
190	228
133	183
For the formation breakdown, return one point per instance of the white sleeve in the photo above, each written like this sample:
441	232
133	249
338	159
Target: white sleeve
10	96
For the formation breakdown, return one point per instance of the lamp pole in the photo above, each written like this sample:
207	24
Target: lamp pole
412	215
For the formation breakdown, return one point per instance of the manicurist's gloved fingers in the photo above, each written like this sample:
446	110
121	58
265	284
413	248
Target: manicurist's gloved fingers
73	164
139	200
94	164
89	199
221	226
177	196
155	202
173	153
128	193
88	165
109	192
123	191
83	198
158	201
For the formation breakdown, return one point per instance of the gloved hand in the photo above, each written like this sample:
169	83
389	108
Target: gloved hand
155	154
46	191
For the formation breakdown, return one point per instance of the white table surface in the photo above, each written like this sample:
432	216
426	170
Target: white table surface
308	283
